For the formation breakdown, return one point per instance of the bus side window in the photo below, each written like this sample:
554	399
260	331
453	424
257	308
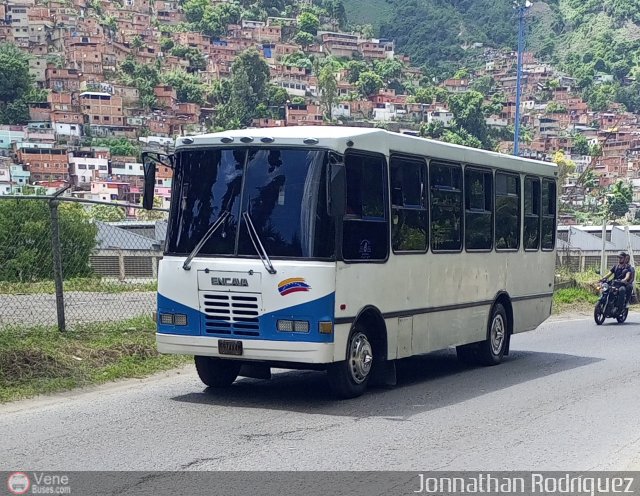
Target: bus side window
548	214
409	213
446	206
507	204
478	221
531	213
365	226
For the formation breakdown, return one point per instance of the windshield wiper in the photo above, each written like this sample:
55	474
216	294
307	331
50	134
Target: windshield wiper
255	239
214	227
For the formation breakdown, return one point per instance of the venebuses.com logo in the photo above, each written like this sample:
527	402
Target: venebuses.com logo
38	483
18	483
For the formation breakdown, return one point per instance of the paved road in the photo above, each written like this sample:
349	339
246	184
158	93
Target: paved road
567	398
80	307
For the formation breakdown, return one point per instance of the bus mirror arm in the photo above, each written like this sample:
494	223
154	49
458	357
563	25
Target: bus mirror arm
337	190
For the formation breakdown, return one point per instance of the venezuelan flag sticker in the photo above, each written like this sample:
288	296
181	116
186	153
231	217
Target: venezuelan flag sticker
293	285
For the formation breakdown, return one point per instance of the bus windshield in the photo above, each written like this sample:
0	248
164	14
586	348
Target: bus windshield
282	189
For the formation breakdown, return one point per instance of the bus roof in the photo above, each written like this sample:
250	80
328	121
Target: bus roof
369	139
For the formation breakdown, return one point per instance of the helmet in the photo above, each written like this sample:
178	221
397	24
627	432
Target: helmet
623	254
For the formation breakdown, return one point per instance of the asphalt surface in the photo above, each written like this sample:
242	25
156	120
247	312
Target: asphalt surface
565	399
80	307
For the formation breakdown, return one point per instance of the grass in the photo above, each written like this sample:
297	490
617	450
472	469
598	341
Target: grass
90	284
42	360
573	300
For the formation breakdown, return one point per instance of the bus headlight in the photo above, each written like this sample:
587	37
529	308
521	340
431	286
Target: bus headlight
178	319
300	326
292	326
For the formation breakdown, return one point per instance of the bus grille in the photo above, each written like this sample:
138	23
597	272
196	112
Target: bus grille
230	314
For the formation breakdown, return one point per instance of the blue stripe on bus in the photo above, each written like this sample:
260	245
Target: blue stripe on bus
314	312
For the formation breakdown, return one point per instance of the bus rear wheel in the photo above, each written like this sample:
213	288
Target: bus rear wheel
491	351
349	378
217	373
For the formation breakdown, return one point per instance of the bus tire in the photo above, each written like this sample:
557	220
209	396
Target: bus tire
217	373
491	351
349	378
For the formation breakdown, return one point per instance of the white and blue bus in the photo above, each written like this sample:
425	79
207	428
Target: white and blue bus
345	249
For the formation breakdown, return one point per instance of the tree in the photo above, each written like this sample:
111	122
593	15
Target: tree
580	145
328	86
469	116
337	12
214	20
25	240
297	59
618	199
194	9
308	23
118	146
15	85
369	83
166	44
483	85
423	95
303	39
153	214
137	43
107	213
188	86
389	69
355	68
565	167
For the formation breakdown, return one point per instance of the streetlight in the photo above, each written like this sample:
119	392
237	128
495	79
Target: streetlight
521	8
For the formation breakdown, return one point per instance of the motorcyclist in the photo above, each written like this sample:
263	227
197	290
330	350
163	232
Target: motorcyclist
621	276
631	278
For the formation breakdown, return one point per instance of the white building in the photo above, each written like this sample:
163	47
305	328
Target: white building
5	180
443	116
85	169
63	129
128	169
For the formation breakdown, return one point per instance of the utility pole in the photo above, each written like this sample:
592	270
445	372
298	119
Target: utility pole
520	8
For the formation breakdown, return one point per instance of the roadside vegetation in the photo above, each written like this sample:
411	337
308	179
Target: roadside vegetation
574	300
89	284
42	360
576	292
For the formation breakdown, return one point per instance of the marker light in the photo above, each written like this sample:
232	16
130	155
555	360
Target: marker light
325	327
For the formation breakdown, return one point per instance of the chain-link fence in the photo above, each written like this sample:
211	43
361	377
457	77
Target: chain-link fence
582	261
65	261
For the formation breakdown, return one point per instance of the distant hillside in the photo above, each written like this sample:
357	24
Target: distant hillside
584	37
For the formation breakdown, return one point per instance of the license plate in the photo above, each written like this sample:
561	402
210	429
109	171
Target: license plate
226	347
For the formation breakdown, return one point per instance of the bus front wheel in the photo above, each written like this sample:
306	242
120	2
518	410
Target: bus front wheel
217	373
349	378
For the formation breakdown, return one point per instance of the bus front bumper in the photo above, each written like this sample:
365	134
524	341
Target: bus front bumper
252	349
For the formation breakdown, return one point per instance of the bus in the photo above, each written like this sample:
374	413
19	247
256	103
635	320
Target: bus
345	249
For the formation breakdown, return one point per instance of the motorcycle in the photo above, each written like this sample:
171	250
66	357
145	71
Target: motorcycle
606	306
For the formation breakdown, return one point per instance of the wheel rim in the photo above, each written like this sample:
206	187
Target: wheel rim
497	334
360	358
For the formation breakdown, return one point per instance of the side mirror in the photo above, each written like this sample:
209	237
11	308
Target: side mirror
337	189
149	162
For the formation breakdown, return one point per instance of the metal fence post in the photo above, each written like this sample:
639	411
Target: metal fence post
57	264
